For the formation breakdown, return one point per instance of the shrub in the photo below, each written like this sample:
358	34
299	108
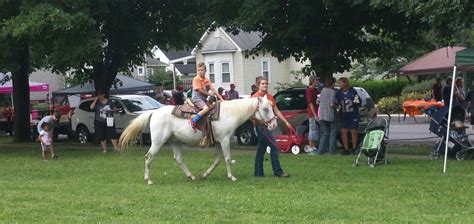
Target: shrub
420	87
389	105
393	104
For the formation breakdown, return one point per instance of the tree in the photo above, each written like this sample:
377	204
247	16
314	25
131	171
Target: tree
161	77
27	30
122	32
332	34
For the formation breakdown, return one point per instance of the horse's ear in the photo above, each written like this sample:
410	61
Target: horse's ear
260	99
265	97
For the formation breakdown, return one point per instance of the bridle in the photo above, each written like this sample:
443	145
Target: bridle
266	122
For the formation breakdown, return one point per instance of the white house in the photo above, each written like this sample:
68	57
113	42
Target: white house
224	55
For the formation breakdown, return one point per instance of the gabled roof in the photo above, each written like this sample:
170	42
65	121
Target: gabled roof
186	69
246	40
172	54
218	44
241	41
153	62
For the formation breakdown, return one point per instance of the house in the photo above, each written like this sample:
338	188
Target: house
224	55
141	72
181	62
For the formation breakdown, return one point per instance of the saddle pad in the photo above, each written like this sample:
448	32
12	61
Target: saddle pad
186	111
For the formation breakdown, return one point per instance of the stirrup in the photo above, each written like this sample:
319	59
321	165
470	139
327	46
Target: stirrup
193	124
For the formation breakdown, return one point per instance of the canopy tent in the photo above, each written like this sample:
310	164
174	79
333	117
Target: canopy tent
7	87
464	62
126	85
437	61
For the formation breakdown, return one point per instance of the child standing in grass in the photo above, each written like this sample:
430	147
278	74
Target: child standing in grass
46	141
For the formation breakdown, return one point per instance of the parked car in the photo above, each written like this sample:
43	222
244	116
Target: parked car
129	107
292	104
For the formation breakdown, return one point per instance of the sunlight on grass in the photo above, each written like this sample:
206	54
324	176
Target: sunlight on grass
86	186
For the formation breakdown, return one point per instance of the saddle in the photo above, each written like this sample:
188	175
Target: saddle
189	110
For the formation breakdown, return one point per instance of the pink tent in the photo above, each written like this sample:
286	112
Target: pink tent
438	61
7	87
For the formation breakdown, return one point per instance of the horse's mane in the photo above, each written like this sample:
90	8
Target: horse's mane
239	108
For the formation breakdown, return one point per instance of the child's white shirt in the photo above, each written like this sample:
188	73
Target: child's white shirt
45	137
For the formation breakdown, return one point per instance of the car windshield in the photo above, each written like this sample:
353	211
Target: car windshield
141	104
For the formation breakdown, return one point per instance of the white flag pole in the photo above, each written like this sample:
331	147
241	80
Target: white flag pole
449	119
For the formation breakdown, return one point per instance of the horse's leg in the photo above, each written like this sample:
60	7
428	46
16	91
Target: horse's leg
216	161
225	145
179	159
150	155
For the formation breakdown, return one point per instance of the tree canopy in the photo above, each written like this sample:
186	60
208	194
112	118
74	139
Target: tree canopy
332	34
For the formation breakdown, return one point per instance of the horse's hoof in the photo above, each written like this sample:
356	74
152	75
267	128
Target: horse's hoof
192	178
204	176
149	182
232	178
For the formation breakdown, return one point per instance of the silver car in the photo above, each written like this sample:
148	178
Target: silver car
129	107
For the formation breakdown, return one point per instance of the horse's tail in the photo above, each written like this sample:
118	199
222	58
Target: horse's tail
133	130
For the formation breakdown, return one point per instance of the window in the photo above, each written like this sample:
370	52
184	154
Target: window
86	106
291	101
212	75
266	68
225	72
150	71
140	71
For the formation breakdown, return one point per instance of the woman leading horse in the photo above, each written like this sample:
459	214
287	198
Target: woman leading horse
165	127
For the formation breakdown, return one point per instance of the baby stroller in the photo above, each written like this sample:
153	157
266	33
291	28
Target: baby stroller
375	141
458	144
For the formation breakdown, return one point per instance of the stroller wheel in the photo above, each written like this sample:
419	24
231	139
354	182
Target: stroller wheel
460	155
433	156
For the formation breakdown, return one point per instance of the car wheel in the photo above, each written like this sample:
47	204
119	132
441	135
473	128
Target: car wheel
82	134
246	135
295	149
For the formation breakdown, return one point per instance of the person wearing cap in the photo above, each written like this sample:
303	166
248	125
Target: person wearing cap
232	94
311	97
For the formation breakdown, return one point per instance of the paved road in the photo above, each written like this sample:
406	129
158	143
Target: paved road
409	132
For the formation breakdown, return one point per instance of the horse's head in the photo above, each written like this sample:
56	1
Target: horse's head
265	113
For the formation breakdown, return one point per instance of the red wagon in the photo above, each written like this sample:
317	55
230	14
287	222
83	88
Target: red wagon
292	140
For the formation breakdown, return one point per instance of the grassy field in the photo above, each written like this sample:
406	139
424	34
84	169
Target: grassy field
86	186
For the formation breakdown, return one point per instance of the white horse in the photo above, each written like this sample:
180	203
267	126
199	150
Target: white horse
165	127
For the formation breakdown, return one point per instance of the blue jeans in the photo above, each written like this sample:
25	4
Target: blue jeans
328	137
266	138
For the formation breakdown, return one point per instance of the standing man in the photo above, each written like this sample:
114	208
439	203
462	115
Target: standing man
265	136
53	121
311	97
232	94
349	101
436	91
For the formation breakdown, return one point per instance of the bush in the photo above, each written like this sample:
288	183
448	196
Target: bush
393	104
420	87
389	105
379	89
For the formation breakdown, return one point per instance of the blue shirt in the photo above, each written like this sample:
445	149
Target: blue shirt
346	100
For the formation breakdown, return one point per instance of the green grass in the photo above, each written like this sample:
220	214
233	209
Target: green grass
86	186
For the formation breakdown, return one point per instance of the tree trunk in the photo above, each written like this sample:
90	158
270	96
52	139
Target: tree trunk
21	97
